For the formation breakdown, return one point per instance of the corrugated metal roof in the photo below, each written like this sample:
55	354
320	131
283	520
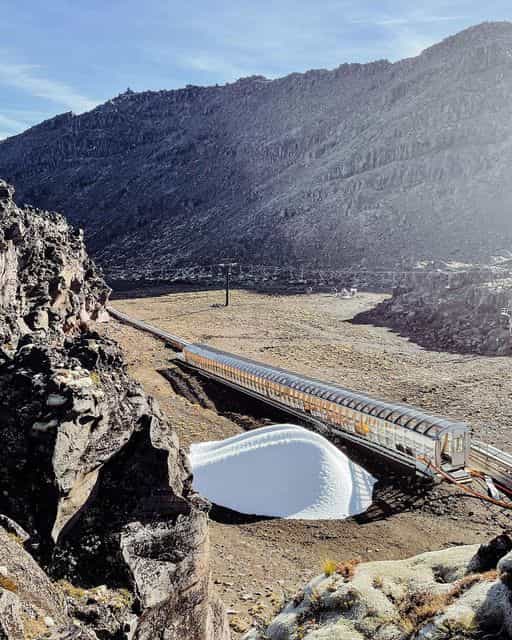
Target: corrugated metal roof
406	416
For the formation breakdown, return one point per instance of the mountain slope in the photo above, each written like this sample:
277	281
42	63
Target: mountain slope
365	164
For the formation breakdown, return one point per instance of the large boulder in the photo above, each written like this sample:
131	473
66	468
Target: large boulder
48	284
30	605
91	469
439	595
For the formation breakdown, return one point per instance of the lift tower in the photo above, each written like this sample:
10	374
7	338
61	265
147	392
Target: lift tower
227	266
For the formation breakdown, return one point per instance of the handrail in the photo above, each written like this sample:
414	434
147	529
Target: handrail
175	341
471	492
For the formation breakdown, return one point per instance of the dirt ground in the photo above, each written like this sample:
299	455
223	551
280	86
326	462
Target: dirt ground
258	563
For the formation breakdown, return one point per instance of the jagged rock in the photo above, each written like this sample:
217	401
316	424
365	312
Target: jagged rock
505	569
104	611
433	596
11	623
91	469
164	580
14	528
366	164
452	310
489	554
47	282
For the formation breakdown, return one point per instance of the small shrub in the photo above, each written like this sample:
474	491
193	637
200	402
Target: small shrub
329	567
349	600
424	606
300	633
96	380
347	569
303	629
467	582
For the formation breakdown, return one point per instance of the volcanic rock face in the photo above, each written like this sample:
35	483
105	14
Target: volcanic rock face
90	467
462	311
47	282
363	165
441	595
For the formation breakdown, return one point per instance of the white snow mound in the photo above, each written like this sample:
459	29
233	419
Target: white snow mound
284	471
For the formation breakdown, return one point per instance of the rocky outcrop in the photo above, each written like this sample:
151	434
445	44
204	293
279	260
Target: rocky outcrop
441	595
371	165
91	469
34	607
463	311
48	284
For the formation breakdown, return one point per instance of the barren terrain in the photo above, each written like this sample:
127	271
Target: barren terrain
256	562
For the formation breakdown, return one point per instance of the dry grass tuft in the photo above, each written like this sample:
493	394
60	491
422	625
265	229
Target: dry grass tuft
95	377
329	567
420	607
122	598
8	584
15	538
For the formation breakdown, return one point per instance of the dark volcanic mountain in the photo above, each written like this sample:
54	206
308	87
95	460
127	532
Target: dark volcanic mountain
365	164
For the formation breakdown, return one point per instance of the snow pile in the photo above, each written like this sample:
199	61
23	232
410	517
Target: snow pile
284	471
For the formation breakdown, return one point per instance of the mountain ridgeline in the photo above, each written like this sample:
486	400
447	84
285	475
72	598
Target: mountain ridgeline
366	165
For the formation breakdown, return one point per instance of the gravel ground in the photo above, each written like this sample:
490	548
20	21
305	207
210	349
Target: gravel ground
257	563
309	334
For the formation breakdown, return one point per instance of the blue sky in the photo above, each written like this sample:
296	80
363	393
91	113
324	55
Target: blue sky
58	55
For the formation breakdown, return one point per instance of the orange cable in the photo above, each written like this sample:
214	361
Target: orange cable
475	494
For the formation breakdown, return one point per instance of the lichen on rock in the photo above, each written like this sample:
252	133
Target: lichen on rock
440	595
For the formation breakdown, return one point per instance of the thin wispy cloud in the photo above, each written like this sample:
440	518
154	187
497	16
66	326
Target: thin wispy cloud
415	19
24	115
10	123
28	78
408	33
172	44
408	43
208	63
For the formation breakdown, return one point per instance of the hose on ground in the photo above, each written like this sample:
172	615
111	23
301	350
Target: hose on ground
471	492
